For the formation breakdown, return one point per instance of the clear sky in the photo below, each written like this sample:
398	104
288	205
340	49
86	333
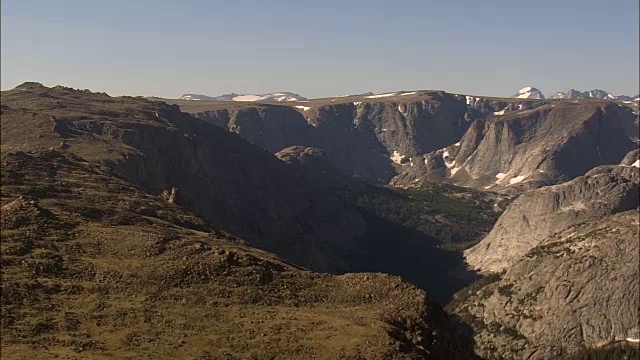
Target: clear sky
321	47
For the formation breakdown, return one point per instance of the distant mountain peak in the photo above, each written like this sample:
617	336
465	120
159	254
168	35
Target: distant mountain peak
276	96
529	92
595	94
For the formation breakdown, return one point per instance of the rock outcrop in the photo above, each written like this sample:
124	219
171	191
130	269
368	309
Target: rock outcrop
629	168
531	148
538	214
576	289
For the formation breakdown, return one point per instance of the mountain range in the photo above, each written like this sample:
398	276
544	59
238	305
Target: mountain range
524	93
404	225
595	93
271	97
533	93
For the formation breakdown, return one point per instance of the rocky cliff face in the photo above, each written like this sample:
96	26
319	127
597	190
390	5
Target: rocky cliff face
538	214
564	269
576	288
315	166
369	137
271	127
508	146
531	148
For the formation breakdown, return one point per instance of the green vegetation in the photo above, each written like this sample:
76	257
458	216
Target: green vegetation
456	217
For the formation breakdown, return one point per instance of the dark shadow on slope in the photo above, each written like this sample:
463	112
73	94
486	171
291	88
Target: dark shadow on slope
465	333
398	250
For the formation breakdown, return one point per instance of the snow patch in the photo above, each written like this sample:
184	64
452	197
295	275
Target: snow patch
397	157
304	108
458	143
516	180
501	112
447	163
636	164
499	176
409	93
247	98
529	93
357	103
380	95
455	170
470	100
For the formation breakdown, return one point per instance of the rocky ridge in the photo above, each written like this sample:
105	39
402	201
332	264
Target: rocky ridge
562	263
531	148
537	214
576	288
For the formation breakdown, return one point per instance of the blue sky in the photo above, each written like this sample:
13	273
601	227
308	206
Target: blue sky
321	47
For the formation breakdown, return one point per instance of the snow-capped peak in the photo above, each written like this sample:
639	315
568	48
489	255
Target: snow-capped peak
278	96
595	93
529	92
